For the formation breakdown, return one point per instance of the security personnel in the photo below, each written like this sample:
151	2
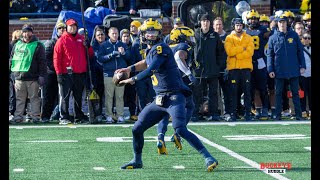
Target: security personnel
170	98
182	42
259	76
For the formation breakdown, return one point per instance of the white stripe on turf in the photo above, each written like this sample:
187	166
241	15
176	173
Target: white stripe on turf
99	168
18	170
237	156
308	148
178	167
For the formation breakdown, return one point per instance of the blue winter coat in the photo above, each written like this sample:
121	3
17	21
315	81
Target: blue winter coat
109	60
285	54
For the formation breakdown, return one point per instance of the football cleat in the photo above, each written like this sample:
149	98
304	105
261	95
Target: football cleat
162	148
177	141
132	165
211	164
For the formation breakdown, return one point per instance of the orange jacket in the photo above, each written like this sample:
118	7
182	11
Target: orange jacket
238	58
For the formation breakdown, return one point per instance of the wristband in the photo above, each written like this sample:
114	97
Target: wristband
133	68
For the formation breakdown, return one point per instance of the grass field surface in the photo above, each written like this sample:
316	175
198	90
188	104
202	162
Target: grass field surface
49	152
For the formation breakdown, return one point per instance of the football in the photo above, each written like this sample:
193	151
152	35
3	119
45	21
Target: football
117	77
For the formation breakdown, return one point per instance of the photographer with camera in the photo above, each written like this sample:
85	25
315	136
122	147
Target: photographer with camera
209	53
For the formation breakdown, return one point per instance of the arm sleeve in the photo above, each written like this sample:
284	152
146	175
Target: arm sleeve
103	56
57	56
230	48
270	56
181	65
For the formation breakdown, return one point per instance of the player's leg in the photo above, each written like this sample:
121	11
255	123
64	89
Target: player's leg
148	117
162	129
177	112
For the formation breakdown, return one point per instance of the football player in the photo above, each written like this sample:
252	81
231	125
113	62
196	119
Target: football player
259	75
181	42
170	99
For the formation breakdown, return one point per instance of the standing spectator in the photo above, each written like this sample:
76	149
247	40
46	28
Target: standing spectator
223	82
98	38
113	54
28	64
129	89
177	22
70	64
209	52
239	48
134	30
170	100
50	88
305	78
285	62
299	29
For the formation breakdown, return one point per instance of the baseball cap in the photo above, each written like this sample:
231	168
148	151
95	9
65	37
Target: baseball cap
27	27
281	18
71	22
177	20
205	17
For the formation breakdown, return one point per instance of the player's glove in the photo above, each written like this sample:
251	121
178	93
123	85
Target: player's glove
193	80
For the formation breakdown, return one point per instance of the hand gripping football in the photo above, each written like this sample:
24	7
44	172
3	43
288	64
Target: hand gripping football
117	77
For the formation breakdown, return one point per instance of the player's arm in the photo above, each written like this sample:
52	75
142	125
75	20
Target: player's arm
180	58
139	66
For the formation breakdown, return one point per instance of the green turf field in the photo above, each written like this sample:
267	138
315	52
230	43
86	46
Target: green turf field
97	152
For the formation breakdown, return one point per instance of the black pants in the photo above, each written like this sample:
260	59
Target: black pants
240	78
50	96
12	97
224	84
199	92
74	83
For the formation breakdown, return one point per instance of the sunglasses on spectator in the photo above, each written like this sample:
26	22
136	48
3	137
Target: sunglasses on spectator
309	38
61	28
99	34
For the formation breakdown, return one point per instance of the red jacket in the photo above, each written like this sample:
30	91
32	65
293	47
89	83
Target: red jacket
70	51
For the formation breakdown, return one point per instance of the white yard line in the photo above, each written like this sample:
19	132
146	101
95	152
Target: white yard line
238	156
170	124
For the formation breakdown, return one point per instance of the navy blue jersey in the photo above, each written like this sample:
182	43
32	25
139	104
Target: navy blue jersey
164	71
259	41
182	46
